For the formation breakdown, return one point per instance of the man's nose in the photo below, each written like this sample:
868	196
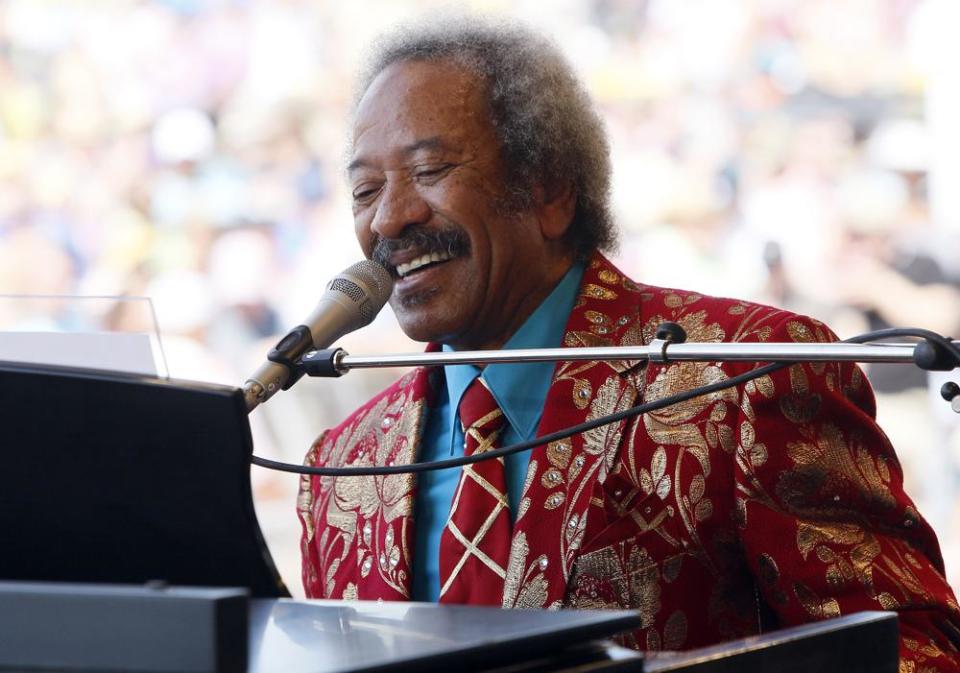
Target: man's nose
398	207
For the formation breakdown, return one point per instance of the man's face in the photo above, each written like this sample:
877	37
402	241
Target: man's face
429	201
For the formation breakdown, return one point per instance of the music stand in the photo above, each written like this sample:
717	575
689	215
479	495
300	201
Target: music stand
118	478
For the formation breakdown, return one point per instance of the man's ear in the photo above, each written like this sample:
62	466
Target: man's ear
556	207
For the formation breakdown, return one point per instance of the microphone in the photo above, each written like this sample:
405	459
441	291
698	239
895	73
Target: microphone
352	300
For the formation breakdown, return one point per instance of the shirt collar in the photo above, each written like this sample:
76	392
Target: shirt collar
521	389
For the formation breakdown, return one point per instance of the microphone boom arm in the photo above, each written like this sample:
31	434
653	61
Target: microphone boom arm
934	352
342	362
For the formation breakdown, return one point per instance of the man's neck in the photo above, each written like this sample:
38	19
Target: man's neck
527	306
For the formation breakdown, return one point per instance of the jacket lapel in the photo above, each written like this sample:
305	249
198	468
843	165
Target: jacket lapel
559	490
383	561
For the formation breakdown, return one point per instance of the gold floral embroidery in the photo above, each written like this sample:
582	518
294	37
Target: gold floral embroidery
305	494
582	393
598	337
524	505
596	317
612	396
609	277
694	324
524	586
633	579
598	292
816	607
558	453
551	478
574	528
356	508
673	300
656	478
830	454
702	507
555	500
800	406
763	385
670	425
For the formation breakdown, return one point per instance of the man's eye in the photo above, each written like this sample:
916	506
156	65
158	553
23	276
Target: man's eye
365	192
431	171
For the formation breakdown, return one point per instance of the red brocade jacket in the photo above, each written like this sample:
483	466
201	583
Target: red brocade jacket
770	504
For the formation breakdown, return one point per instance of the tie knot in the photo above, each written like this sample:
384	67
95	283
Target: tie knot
479	411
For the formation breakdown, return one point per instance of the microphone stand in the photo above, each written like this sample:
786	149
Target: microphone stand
342	362
933	352
669	345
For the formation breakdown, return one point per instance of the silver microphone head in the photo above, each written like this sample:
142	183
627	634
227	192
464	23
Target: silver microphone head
352	300
368	285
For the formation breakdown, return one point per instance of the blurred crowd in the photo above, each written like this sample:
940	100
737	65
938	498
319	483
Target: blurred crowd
799	153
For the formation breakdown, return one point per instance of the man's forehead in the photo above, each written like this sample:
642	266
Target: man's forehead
421	77
418	105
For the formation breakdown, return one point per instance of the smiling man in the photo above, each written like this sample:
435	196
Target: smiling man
479	172
434	201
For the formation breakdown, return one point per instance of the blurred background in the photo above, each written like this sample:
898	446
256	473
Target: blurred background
804	153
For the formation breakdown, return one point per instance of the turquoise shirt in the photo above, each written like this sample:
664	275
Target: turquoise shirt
520	390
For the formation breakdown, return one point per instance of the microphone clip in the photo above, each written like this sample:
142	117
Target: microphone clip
667	333
288	350
324	363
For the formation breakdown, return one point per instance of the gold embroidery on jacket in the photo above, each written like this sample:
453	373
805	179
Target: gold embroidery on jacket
598	292
829	467
525	585
305	494
371	503
633	577
524	505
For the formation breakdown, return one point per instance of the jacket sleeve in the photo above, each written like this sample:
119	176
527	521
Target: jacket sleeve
824	521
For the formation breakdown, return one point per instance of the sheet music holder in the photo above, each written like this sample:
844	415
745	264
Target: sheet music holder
118	478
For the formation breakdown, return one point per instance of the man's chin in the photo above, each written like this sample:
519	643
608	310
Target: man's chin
423	325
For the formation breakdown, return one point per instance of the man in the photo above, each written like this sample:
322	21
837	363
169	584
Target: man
479	174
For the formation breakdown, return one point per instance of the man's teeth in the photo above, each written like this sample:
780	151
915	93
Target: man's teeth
423	260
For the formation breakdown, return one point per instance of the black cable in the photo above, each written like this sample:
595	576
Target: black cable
590	425
917	332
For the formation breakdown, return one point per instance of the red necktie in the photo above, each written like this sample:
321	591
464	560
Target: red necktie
475	544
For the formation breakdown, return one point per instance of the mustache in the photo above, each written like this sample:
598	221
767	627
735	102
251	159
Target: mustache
450	240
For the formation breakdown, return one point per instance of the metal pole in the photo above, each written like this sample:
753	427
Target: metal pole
656	351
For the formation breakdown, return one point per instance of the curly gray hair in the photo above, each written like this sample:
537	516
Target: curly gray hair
549	132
